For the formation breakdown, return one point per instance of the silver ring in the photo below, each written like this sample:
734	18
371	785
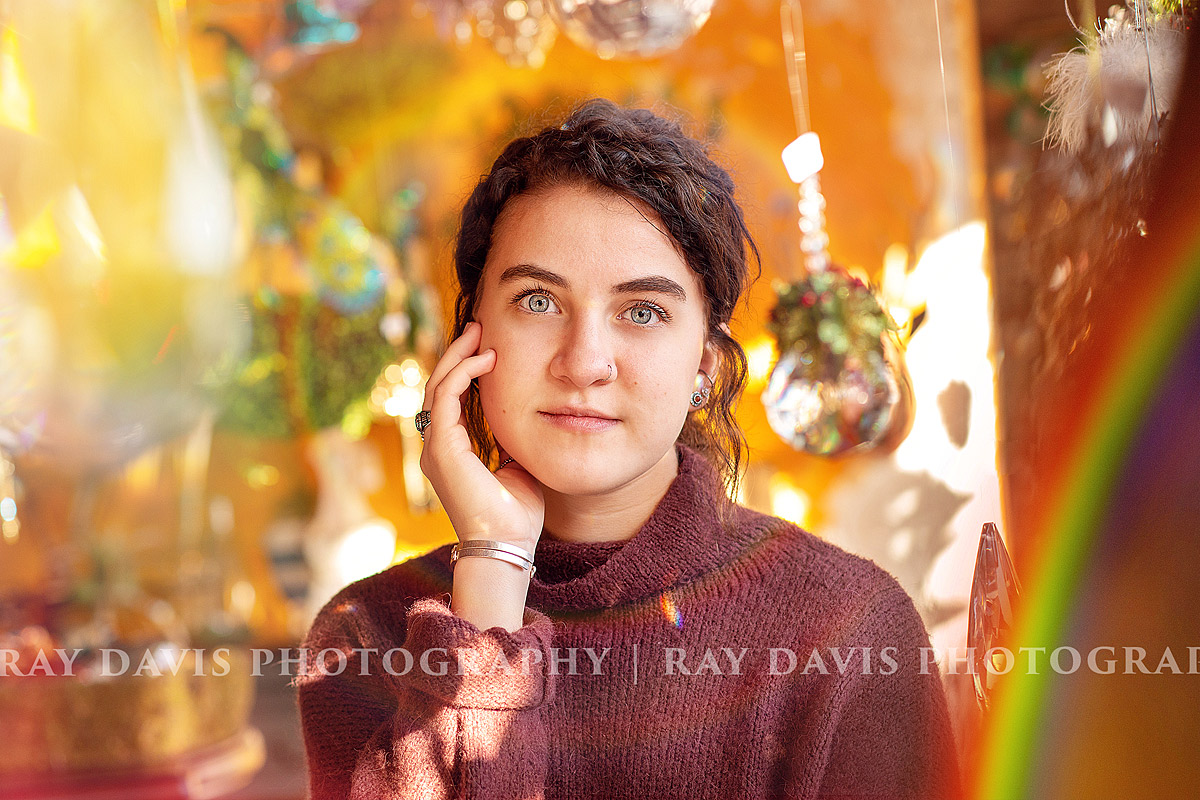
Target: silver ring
505	463
422	422
610	372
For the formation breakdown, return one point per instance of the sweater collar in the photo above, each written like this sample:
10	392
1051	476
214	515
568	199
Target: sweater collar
682	539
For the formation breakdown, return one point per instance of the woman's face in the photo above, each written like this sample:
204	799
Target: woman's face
578	280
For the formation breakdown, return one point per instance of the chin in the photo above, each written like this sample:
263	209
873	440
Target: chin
585	472
574	472
591	484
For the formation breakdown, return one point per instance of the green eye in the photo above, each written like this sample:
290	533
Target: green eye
539	303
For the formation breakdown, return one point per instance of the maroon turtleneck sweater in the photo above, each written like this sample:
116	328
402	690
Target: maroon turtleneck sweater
693	697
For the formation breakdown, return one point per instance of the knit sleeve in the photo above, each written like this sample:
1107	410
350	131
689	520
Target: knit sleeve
886	733
437	710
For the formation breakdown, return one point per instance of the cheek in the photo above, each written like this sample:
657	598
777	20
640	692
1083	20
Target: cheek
492	391
504	388
499	338
664	381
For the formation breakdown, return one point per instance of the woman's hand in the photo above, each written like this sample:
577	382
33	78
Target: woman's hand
507	505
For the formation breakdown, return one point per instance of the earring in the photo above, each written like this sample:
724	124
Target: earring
701	393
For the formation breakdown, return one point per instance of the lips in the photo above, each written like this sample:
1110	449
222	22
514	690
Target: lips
582	420
578	411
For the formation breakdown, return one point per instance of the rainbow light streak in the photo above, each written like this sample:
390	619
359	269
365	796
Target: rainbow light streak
1146	316
162	351
670	610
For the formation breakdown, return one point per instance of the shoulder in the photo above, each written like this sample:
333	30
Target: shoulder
372	610
823	578
818	560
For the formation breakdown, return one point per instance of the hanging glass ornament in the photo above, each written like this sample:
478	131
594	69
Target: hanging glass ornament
344	258
630	28
839	384
310	25
519	30
994	593
317	282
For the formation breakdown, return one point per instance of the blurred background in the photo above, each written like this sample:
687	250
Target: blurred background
225	270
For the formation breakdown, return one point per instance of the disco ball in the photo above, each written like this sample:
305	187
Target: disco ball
630	28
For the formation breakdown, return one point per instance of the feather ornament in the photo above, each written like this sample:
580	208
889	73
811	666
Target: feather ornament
1105	85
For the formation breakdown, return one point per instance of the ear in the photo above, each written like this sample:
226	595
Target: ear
710	360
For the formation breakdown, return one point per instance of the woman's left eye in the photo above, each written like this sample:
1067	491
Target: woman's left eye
645	315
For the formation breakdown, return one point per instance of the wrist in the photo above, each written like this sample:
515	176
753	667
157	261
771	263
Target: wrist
516	555
527	544
488	592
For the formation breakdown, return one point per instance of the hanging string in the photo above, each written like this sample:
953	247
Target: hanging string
792	22
814	242
1071	19
1141	23
937	18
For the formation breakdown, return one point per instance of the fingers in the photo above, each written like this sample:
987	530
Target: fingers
459	349
445	408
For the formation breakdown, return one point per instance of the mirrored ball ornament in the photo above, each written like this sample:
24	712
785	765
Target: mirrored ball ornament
864	405
630	28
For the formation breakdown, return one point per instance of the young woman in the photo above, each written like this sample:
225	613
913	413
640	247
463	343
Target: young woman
616	626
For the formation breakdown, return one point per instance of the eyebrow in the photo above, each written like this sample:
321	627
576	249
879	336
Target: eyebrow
650	283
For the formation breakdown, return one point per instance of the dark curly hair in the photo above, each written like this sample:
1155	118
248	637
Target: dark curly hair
637	154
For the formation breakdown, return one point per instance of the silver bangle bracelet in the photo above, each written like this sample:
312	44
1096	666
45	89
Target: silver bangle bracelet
494	545
487	548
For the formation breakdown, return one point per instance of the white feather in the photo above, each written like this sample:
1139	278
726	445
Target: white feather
1106	82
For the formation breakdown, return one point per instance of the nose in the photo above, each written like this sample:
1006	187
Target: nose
584	355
